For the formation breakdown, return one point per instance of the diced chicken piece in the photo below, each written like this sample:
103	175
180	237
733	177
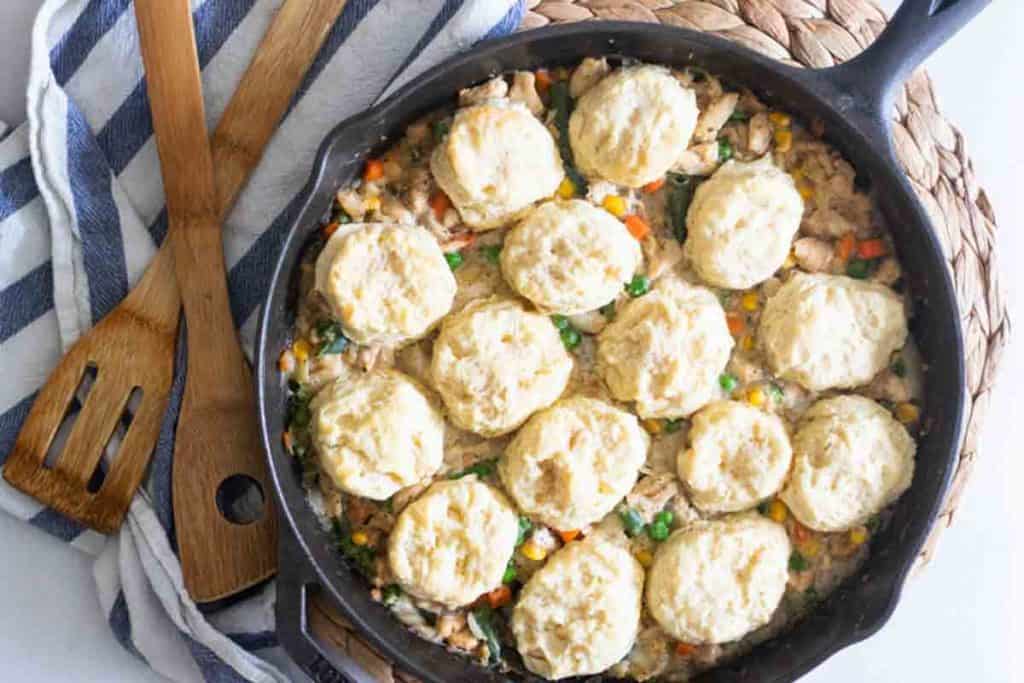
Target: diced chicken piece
759	134
750	103
662	256
524	89
825	222
888	272
888	386
714	116
649	656
746	370
394	210
450	624
814	255
698	160
587	74
494	89
463	640
590	322
352	203
651	494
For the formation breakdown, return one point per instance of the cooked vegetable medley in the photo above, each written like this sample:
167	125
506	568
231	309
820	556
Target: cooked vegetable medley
581	364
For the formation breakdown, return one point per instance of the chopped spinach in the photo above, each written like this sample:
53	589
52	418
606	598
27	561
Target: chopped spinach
680	194
332	338
361	556
562	104
484	617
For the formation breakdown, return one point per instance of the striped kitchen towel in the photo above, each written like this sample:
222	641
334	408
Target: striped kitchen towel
82	209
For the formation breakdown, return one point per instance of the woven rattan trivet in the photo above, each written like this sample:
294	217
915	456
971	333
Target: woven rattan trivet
821	33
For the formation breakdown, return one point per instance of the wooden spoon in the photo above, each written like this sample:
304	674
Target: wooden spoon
133	346
217	451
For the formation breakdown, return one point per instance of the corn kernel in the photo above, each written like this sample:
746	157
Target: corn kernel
783	140
747	343
360	538
372	203
301	349
652	426
750	301
532	551
615	205
805	190
567	189
858	535
756	397
779	119
907	413
645	558
777	511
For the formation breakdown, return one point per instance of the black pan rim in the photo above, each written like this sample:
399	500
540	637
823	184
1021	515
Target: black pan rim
808	81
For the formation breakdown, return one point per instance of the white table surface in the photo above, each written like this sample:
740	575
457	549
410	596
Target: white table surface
956	622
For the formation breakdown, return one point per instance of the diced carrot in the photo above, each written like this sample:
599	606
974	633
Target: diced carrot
654	186
735	323
542	79
637	226
374	170
869	249
500	596
845	246
570	535
685	649
440	203
800	532
330	228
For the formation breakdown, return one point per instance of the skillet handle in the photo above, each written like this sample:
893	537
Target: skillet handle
917	29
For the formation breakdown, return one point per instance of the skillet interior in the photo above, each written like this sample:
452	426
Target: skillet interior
864	602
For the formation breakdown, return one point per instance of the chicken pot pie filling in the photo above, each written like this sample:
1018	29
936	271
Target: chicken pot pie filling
556	385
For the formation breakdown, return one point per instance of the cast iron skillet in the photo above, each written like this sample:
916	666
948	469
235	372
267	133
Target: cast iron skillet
853	101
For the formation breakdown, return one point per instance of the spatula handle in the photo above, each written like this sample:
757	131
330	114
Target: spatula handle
217	435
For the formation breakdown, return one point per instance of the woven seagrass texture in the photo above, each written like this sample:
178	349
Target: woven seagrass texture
822	33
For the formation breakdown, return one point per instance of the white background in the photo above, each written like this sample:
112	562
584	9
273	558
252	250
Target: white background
956	622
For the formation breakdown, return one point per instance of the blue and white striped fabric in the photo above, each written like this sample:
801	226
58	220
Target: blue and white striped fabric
82	209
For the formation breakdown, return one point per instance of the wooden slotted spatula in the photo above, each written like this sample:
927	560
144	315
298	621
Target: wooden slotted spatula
217	453
133	346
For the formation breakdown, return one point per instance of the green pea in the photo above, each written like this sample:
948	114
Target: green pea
571	338
665	517
858	268
798	562
631	520
725	150
658	531
492	253
560	321
638	286
454	259
727	381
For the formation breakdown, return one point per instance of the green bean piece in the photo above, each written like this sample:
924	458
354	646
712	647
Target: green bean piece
680	194
485	620
562	105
